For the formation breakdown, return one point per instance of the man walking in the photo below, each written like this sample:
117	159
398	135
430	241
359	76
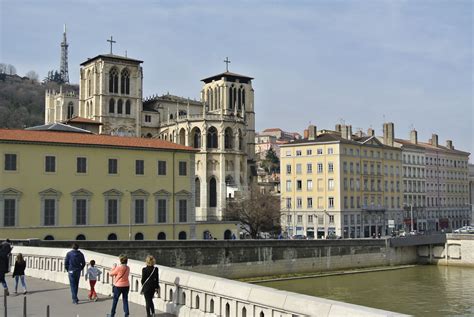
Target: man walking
74	263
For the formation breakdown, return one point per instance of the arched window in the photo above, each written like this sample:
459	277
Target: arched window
161	236
212	138
183	298
237	98
211	306
81	237
128	107
182	137
196	304
70	110
227	310
148	135
89	86
231	97
196	133
112	236
182	235
227	235
139	236
244	312
120	106
262	314
241	141
48	237
243	97
228	139
197	192
206	235
212	193
113	80
111	106
125	82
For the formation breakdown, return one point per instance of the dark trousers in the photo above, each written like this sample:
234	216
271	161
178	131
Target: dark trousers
74	284
117	292
2	280
149	306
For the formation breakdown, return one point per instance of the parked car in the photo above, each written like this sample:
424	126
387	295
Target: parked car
298	237
465	229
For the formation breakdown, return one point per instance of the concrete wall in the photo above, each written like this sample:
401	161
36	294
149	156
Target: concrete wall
189	294
457	251
255	258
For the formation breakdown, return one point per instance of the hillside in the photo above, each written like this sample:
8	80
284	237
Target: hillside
22	101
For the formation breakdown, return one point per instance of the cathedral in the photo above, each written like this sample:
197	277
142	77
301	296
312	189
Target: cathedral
221	125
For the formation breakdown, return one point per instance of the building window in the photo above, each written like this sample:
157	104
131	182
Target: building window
139	211
161	167
70	110
299	203
49	212
120	106
309	184
197	195
309	168
50	164
298	168
288	186
125	82
299	185
309	152
112	105
212	192
319	151
288	168
139	167
162	210
81	165
113	81
182	169
10	162
330	150
330	184
289	218
298	152
299	219
320	167
9	212
331	219
330	167
81	212
113	166
212	138
331	202
128	108
112	211
288	203
310	203
183	210
147	118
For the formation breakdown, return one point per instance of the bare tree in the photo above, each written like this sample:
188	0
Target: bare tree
258	211
32	75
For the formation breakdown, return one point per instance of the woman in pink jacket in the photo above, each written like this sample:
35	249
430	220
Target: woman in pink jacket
121	284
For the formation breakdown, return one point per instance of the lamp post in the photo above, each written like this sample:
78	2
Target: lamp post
411	218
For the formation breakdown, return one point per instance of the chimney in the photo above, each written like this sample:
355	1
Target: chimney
388	133
346	132
449	144
305	133
312	132
414	136
338	127
370	132
359	133
434	139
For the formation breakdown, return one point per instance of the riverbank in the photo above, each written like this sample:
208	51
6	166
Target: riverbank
287	277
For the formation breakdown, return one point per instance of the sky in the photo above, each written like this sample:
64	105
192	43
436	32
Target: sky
358	62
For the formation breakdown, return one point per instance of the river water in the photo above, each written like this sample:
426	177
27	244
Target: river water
419	291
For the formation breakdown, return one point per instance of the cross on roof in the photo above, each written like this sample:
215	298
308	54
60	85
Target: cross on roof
111	43
227	62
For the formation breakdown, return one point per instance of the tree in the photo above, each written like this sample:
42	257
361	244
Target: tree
7	69
32	75
54	76
258	211
272	162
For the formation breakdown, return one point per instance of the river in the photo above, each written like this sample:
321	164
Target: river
419	291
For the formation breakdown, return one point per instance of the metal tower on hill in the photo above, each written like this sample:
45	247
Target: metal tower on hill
63	69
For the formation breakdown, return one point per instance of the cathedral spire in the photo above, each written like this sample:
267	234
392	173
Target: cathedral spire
63	67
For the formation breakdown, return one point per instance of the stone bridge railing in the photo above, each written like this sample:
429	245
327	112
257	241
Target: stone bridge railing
185	293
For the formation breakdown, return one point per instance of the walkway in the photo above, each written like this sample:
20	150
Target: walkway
58	296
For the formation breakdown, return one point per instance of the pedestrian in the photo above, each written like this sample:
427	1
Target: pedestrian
92	274
19	272
121	284
149	284
5	250
74	263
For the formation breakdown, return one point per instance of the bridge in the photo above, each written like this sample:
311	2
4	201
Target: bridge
182	293
417	240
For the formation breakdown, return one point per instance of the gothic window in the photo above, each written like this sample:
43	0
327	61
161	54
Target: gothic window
89	86
120	106
239	97
241	141
182	235
161	236
212	193
228	138
111	105
182	137
125	82
196	138
197	194
234	92
127	107
231	97
113	81
212	138
243	96
70	110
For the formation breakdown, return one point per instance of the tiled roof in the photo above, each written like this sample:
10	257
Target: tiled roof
82	120
50	137
423	145
272	130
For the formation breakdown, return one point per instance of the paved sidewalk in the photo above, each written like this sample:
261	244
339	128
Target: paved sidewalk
58	296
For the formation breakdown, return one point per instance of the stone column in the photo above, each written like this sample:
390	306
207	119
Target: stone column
221	187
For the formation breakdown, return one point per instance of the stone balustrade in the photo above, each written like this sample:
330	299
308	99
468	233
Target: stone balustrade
185	293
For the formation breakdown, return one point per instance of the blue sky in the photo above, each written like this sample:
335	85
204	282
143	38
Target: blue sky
324	62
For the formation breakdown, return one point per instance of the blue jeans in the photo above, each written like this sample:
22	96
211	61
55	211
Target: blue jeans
74	283
22	279
117	292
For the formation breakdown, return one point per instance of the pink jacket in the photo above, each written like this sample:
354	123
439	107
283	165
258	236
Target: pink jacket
121	273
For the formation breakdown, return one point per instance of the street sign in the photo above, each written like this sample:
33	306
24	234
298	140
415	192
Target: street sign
391	223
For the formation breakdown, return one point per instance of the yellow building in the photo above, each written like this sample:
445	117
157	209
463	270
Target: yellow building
334	183
65	186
